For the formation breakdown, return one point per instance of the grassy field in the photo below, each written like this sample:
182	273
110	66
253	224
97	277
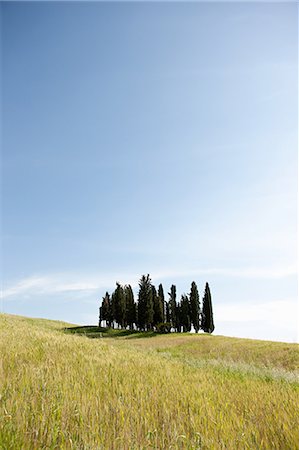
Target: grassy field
86	388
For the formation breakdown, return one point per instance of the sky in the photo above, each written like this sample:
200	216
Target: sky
154	138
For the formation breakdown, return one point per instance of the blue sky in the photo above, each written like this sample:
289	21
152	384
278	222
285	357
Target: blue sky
152	138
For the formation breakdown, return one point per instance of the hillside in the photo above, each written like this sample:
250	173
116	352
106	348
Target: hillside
60	389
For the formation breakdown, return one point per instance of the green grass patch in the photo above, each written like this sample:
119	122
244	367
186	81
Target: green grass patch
95	332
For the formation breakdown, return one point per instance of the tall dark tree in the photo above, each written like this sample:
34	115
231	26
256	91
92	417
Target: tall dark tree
167	312
130	306
120	305
178	326
145	310
158	307
100	315
149	314
195	306
113	309
185	313
207	311
162	300
172	306
105	310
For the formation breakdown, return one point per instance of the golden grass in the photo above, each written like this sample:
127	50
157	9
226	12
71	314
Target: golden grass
260	353
61	391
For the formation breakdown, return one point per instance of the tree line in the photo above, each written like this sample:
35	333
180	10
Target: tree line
153	312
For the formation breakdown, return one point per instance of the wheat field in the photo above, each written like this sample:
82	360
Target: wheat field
62	390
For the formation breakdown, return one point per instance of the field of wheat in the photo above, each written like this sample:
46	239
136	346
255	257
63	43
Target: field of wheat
62	390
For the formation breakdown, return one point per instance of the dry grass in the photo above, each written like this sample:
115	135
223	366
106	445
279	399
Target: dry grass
259	353
65	391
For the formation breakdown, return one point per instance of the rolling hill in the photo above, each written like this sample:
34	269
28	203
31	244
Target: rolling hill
70	387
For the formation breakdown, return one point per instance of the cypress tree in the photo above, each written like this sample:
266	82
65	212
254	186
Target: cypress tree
130	306
120	305
158	307
172	306
145	303
207	312
178	318
100	316
194	306
154	298
162	300
113	309
149	313
167	313
110	311
116	312
185	313
105	310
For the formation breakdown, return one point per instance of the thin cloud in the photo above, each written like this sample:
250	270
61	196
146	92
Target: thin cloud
54	284
48	285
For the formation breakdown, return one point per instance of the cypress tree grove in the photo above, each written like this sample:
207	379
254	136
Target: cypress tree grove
207	312
194	306
153	312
